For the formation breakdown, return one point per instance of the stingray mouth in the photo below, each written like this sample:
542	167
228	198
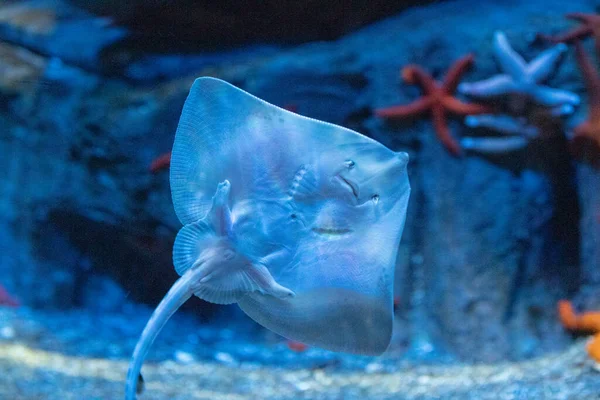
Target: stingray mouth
352	187
331	231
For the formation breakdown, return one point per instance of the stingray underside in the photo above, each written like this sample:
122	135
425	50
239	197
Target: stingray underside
341	276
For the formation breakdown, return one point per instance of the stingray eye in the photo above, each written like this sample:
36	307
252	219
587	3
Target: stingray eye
375	198
349	164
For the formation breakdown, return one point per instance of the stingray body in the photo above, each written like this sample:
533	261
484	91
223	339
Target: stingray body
296	220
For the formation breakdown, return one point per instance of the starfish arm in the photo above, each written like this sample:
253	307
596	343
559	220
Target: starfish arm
494	145
440	125
590	321
591	78
504	124
593	348
542	66
494	86
456	106
578	33
417	107
456	72
562	110
581	131
553	97
161	162
587	321
585	18
415	75
567	315
510	61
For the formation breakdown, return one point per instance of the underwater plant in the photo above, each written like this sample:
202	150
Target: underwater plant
438	99
296	220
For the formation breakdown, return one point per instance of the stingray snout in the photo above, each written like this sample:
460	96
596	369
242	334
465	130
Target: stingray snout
402	158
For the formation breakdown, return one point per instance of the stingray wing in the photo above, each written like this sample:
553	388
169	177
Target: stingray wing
344	286
226	133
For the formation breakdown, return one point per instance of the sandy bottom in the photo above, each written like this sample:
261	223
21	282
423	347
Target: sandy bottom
38	374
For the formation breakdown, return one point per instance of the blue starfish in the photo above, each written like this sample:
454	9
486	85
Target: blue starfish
516	132
522	78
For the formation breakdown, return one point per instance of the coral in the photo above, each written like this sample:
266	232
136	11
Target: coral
521	78
588	322
438	99
586	136
590	26
6	299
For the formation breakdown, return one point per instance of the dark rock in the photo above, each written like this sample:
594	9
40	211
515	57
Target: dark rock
193	25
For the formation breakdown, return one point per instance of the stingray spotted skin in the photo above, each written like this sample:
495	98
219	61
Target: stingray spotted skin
296	220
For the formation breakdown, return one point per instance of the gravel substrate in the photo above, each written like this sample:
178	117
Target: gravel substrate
43	356
37	374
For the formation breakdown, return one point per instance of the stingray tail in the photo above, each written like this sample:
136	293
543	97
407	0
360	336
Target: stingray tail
179	293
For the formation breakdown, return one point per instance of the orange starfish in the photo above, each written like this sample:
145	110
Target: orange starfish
590	26
438	99
588	132
587	322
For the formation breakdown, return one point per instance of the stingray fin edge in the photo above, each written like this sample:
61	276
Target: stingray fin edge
190	242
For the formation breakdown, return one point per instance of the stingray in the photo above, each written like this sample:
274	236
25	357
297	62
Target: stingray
297	221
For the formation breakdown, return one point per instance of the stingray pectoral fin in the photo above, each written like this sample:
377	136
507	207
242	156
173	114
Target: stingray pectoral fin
179	293
265	283
228	285
191	241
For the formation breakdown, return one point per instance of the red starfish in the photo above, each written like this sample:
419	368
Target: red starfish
296	346
587	134
161	162
590	26
6	299
438	98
